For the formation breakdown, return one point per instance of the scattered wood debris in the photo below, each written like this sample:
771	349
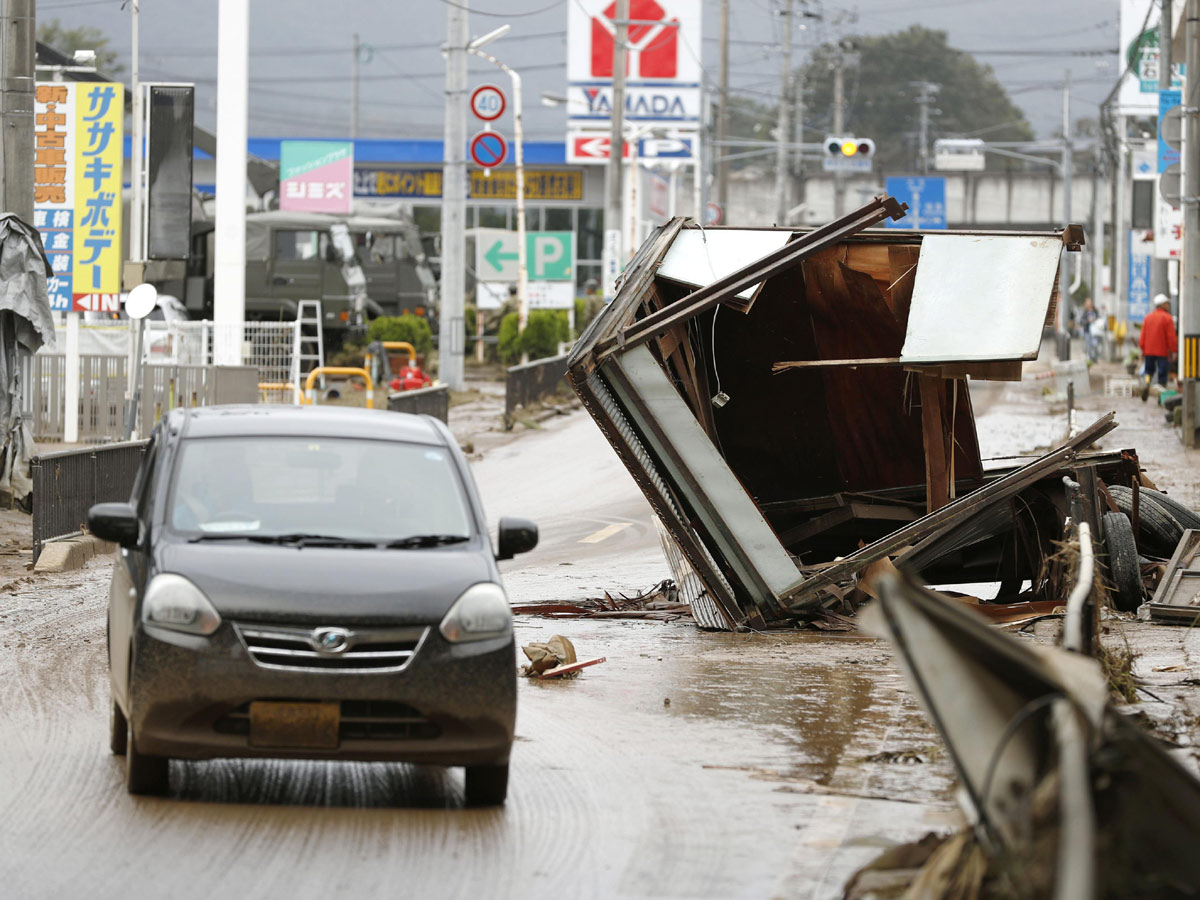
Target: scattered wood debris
659	603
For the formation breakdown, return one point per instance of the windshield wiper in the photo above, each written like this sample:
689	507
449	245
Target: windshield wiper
425	540
299	538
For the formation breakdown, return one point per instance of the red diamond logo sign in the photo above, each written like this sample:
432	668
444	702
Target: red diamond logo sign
654	48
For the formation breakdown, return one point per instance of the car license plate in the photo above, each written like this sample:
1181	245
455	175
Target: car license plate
302	726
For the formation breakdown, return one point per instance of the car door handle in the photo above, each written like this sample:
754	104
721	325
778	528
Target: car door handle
281	279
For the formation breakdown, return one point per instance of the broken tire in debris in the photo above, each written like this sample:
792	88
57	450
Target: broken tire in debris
1158	530
1122	559
1184	515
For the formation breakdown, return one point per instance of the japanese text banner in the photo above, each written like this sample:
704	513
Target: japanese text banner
99	120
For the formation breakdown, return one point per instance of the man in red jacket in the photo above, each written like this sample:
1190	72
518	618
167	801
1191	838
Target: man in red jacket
1158	342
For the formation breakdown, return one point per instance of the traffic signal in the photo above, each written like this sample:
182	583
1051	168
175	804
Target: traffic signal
849	147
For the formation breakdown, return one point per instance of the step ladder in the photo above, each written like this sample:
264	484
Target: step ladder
308	348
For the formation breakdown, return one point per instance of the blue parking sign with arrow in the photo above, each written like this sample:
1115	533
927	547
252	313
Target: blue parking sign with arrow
926	199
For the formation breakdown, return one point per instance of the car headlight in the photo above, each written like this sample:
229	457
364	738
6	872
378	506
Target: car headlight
174	602
480	613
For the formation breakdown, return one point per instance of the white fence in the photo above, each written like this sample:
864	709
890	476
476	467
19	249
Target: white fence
267	346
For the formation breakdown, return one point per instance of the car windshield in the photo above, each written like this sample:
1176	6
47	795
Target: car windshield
318	489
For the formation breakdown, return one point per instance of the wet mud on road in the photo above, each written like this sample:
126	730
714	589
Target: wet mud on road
689	765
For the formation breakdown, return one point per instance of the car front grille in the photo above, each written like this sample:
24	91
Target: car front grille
360	720
356	650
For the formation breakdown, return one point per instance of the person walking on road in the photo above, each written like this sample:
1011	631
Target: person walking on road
1087	326
1158	342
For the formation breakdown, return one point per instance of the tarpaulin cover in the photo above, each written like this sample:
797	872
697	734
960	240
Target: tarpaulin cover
25	324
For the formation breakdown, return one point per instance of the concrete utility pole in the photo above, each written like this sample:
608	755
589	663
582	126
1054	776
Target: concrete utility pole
1160	280
1120	243
17	59
839	125
134	274
136	138
926	95
1095	238
782	176
354	93
614	185
1189	283
1064	281
229	248
723	113
454	200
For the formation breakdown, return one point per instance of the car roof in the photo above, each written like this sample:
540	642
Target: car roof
277	420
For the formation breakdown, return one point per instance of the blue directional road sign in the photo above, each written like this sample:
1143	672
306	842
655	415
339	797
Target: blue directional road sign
926	199
1167	155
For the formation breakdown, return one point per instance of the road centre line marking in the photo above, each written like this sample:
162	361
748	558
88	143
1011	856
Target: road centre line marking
605	532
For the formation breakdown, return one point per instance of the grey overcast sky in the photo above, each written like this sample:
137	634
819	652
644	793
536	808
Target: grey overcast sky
300	63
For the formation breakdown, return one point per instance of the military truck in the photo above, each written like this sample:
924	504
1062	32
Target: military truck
298	256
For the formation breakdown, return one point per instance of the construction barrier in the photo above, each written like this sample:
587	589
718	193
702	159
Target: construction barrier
430	401
338	370
528	383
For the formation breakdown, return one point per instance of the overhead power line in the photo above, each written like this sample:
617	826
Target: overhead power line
504	15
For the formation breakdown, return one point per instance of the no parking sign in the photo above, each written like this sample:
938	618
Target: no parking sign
488	149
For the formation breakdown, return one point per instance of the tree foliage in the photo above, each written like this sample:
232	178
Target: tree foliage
881	95
86	37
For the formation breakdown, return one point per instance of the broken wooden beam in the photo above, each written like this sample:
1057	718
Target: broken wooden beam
936	524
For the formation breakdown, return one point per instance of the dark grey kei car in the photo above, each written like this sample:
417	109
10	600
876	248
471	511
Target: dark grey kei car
299	582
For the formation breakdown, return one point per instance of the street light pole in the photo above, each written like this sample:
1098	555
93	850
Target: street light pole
519	152
613	187
353	92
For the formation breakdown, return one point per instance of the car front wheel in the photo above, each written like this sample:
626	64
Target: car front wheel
487	785
118	730
144	774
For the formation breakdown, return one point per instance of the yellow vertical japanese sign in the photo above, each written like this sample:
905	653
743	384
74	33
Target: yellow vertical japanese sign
99	149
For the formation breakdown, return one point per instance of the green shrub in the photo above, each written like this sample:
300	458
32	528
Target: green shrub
586	309
350	354
413	329
545	329
507	342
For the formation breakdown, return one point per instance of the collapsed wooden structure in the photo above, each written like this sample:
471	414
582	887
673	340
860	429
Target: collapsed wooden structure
794	404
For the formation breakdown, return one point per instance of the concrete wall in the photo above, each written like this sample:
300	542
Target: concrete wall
973	199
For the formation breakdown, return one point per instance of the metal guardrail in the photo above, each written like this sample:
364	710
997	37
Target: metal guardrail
67	483
430	401
528	383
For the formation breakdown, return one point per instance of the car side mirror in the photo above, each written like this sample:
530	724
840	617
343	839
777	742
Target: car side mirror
116	522
515	536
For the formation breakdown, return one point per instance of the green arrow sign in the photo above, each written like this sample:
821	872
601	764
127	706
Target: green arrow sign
549	255
495	256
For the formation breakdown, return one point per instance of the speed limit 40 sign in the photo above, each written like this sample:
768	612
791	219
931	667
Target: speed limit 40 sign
488	103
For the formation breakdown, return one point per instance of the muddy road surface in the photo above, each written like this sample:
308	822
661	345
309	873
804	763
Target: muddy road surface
688	765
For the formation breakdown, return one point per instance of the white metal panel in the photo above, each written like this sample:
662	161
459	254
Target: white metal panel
980	298
699	257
